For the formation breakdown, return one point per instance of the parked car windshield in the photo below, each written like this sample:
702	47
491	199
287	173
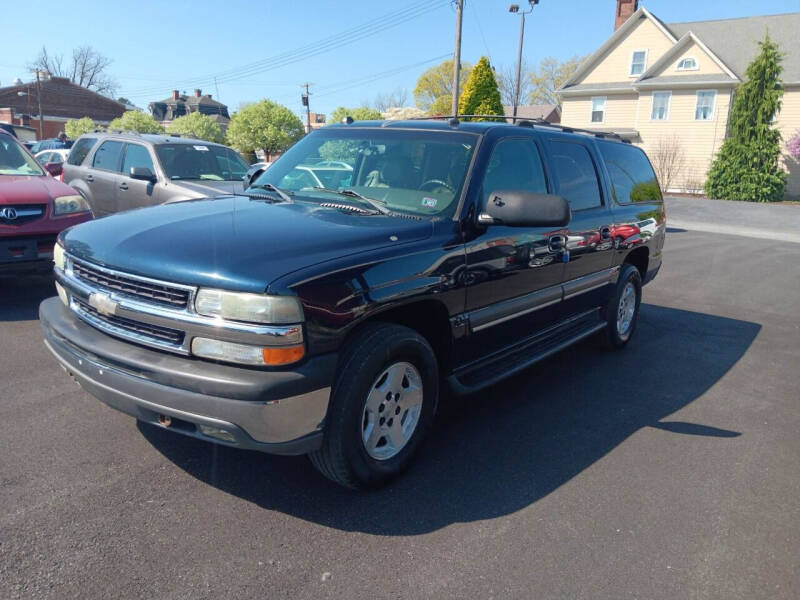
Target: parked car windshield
14	160
201	161
410	171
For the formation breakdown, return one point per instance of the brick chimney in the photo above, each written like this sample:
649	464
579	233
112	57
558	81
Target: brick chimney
198	93
625	8
175	94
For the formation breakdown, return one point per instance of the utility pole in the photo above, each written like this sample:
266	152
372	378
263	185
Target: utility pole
39	98
304	98
457	57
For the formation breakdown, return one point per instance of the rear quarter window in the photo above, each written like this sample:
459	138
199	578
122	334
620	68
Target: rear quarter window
577	178
80	150
632	177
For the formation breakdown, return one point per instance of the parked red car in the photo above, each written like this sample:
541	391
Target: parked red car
34	209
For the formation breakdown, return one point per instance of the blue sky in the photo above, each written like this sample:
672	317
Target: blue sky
267	49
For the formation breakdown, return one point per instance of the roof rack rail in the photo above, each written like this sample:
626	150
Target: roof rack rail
528	122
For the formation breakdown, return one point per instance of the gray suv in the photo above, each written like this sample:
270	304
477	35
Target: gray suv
120	171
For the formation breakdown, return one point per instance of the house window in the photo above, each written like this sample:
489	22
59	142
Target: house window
704	110
598	109
687	64
638	62
660	106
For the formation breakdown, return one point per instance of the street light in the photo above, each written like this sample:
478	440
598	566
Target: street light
514	9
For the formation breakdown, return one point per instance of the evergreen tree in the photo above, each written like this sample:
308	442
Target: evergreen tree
481	95
747	166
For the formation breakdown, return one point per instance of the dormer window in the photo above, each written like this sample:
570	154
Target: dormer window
638	62
687	64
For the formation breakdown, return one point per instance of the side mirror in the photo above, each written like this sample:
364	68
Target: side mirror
143	173
251	175
519	208
55	169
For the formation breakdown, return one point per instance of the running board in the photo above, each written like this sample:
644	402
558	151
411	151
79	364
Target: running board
477	376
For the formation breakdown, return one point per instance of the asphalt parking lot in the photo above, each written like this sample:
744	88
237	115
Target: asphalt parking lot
668	470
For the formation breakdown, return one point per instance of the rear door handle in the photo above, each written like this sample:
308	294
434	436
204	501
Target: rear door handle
605	232
556	243
123	186
89	178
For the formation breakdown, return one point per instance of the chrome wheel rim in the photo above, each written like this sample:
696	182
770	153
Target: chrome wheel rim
626	308
391	411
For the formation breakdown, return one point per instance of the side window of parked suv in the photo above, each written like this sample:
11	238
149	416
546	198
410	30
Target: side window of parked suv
515	165
632	176
80	149
136	156
107	156
577	178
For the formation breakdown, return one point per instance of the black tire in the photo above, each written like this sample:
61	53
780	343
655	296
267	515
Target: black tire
612	337
343	457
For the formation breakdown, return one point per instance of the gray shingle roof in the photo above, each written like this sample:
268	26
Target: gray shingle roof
734	41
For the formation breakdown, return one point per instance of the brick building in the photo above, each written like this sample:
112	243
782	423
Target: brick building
60	101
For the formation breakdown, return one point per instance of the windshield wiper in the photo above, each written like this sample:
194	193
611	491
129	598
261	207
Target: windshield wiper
271	188
378	205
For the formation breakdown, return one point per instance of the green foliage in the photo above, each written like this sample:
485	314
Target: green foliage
266	126
135	120
77	127
361	113
339	150
550	76
747	166
647	191
481	95
196	125
436	83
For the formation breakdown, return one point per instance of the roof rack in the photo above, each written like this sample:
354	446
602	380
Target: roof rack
526	122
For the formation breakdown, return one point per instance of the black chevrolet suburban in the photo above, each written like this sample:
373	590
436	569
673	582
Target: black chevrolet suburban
320	309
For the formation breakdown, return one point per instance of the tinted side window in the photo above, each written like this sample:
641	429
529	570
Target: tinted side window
80	149
515	165
107	156
136	156
632	177
577	179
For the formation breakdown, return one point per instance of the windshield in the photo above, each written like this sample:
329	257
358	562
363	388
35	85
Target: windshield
410	171
14	160
201	161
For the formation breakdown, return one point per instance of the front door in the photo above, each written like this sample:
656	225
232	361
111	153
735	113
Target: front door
590	235
133	193
513	274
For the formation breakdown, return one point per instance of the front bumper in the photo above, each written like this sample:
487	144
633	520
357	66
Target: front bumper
279	412
26	254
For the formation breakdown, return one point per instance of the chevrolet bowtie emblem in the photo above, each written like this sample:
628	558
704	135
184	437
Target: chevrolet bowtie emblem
103	303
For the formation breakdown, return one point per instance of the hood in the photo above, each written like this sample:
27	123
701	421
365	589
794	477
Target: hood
203	188
234	243
28	189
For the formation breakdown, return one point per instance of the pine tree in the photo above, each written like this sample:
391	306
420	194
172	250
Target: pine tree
747	166
481	95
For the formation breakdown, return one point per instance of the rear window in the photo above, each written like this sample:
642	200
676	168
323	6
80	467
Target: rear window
577	178
632	177
107	156
80	149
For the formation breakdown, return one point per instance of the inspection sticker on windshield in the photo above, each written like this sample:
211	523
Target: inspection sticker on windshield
429	202
201	148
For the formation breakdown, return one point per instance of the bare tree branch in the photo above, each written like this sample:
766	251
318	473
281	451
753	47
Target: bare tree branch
507	82
88	68
396	98
667	160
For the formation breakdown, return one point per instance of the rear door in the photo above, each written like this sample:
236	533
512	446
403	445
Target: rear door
133	193
590	242
102	178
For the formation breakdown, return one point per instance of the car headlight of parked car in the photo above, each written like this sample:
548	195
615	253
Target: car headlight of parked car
250	308
66	205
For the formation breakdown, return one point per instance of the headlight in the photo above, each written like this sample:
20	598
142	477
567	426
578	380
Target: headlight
66	205
245	354
58	256
252	308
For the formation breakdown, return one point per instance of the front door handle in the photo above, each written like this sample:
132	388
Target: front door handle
605	232
123	186
555	243
89	178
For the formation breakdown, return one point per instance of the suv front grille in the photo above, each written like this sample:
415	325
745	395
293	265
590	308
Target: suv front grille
135	288
20	214
150	332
